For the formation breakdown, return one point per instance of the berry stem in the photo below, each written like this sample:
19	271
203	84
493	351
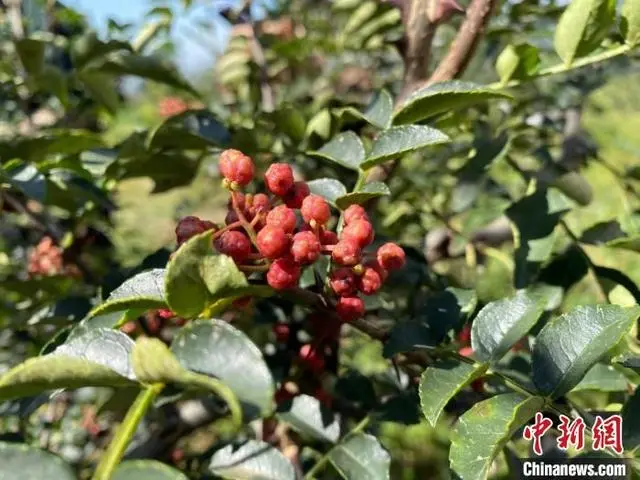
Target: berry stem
231	226
243	220
253	268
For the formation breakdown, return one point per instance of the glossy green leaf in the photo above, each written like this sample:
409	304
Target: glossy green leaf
368	192
89	47
328	188
23	462
482	432
397	141
441	382
631	421
146	470
517	62
205	346
361	456
27	179
500	324
31	53
630	22
345	149
582	27
570	345
442	97
145	291
378	112
603	378
253	460
308	416
193	129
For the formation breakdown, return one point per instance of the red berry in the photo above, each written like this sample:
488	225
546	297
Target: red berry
370	281
189	227
327	237
316	208
354	212
129	327
360	231
282	395
283	217
311	358
235	244
350	308
281	330
236	167
464	337
466	351
343	281
346	253
283	273
165	313
273	242
279	179
255	204
305	248
295	196
391	256
232	217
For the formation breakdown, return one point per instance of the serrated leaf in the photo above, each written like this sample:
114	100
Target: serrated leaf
253	460
517	62
482	432
582	27
378	112
328	188
631	421
361	456
205	346
603	378
441	382
146	470
500	324
308	416
571	344
630	22
397	141
23	462
145	291
345	149
442	97
367	192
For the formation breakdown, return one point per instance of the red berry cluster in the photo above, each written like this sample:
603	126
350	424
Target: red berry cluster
281	231
46	259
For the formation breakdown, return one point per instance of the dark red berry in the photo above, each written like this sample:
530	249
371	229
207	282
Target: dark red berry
370	281
283	273
327	237
189	227
360	231
235	244
236	167
281	331
391	256
283	395
343	281
305	248
350	308
311	358
354	212
295	196
283	217
279	179
315	208
272	242
346	253
232	217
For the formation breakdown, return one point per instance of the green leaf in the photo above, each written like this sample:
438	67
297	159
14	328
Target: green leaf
442	382
253	460
308	416
482	432
631	421
378	112
31	53
361	456
626	243
442	97
397	141
27	179
345	149
192	129
517	62
89	47
22	462
570	345
52	79
146	470
101	87
328	188
145	291
367	192
582	27
197	277
500	324
205	346
630	22
603	378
